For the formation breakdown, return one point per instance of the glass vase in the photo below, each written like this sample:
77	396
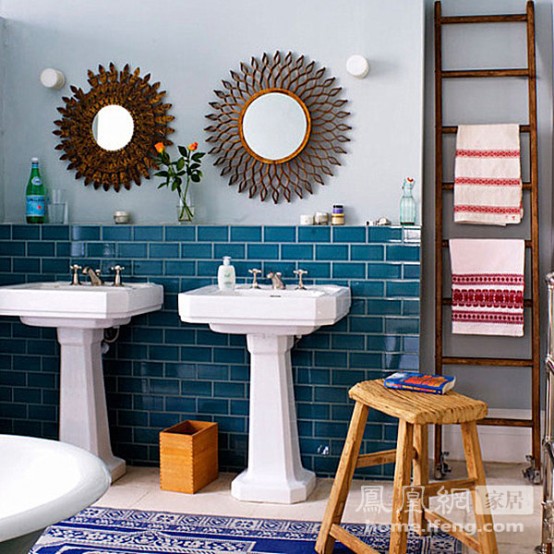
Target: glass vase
185	209
407	203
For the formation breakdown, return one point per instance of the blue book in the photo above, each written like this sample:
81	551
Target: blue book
420	382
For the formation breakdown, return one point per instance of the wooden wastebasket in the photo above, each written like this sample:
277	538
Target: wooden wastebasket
188	456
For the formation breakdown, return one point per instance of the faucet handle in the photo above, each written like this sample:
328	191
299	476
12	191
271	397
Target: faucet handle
254	272
75	268
300	274
117	279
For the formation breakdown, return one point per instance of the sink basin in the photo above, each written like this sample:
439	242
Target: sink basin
59	300
270	319
80	314
265	310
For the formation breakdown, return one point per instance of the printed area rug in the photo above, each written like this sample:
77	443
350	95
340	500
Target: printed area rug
111	531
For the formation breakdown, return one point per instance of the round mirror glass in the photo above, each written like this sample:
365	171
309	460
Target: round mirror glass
113	127
275	126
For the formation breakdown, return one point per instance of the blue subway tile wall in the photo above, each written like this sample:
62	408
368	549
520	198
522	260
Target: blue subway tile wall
161	370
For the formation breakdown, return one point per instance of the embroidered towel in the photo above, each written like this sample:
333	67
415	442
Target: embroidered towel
487	175
487	286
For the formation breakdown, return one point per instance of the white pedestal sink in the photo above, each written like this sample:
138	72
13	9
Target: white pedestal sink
81	313
270	319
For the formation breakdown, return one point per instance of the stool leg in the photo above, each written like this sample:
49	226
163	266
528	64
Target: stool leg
421	475
483	518
341	485
402	475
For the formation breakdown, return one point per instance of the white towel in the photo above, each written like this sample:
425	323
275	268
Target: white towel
487	175
487	286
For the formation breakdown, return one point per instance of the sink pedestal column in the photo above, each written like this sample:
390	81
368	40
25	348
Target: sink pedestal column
275	472
83	411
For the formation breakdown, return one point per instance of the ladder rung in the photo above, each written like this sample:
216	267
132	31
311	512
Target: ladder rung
484	73
506	422
528	244
453	129
464	19
474	361
450	186
528	303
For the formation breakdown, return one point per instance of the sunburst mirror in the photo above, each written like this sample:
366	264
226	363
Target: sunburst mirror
107	134
278	127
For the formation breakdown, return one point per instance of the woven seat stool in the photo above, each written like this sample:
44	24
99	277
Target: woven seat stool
415	411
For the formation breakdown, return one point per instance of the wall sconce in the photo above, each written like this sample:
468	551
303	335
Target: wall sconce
52	78
357	66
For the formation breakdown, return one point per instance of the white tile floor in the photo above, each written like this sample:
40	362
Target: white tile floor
139	489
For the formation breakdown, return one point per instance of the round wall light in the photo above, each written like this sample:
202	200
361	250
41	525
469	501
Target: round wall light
357	66
52	78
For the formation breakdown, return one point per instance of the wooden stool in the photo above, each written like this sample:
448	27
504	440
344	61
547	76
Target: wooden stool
415	411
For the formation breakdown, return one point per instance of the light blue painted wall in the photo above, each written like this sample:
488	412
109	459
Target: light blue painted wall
190	46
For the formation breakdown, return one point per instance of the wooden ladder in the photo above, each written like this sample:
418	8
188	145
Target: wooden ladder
532	244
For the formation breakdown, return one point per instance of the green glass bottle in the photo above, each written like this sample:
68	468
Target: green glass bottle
35	206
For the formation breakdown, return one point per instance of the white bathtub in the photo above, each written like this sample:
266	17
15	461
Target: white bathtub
43	482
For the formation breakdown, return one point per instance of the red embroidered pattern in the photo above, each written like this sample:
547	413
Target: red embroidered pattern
511	299
488	279
487	153
488	317
487	182
488	209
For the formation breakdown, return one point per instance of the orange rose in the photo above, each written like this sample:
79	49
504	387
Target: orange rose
193	146
159	146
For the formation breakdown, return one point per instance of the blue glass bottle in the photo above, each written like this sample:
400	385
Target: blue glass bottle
407	203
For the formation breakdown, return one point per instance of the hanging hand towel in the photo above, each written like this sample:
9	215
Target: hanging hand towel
487	175
487	286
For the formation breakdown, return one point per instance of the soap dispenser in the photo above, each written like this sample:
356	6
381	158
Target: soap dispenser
226	277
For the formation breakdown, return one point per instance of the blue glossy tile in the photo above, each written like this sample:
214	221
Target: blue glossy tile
402	289
41	248
55	265
314	234
325	252
412	271
213	233
297	252
314	376
410	344
147	233
120	232
384	271
163	386
384	234
213	372
348	270
347	341
63	249
384	307
312	411
229	355
26	265
12	248
163	352
229	390
208	268
55	232
101	250
316	270
368	288
147	268
196	251
331	358
404	362
180	234
280	234
206	406
348	377
196	354
196	388
236	251
180	268
5	231
263	251
239	407
402	326
79	232
402	253
349	234
366	360
331	429
133	250
246	234
163	250
26	232
367	252
360	324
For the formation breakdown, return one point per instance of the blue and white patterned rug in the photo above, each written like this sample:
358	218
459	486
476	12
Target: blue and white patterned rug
111	531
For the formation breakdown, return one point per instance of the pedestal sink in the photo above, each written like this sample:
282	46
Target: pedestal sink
270	319
81	313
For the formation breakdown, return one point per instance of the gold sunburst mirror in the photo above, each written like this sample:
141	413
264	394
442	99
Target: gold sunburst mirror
278	127
108	134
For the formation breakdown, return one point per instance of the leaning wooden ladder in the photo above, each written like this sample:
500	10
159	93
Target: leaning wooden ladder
532	244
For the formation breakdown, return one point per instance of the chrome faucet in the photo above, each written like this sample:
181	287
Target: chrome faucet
276	281
94	276
75	274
